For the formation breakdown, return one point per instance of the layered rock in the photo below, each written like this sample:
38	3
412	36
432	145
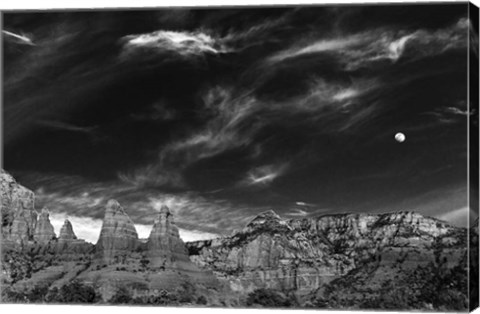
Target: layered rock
303	255
334	261
268	220
66	232
24	228
267	253
118	236
165	248
68	243
17	209
44	231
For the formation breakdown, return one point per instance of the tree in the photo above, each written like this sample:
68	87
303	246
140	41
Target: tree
122	296
202	300
74	292
269	298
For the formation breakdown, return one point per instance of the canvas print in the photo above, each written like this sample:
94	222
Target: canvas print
303	157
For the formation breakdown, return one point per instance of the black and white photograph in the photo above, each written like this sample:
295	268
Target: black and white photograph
310	156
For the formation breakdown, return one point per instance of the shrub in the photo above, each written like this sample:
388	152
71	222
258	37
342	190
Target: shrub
186	293
74	292
37	294
162	298
269	298
122	296
202	300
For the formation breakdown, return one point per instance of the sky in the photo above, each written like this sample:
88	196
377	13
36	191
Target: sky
221	114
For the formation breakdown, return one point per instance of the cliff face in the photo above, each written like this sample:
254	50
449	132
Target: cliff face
17	208
396	260
118	236
66	232
164	246
68	243
33	257
44	231
304	255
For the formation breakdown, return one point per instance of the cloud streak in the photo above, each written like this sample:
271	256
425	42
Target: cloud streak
185	44
359	50
20	39
264	175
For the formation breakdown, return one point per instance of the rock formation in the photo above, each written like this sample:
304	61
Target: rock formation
333	261
304	255
66	232
17	209
69	244
44	231
165	248
268	220
118	236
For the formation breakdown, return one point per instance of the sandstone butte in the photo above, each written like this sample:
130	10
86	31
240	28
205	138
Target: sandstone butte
343	258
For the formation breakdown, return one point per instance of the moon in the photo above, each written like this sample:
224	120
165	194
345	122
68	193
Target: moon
400	137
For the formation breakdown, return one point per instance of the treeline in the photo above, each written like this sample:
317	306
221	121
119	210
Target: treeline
77	292
74	292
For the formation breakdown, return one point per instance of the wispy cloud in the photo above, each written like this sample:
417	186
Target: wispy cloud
376	45
60	125
458	217
20	39
185	44
237	116
455	113
298	213
264	175
228	128
458	111
317	46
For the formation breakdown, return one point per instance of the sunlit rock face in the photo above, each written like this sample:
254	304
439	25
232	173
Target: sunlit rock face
317	259
118	236
44	231
165	248
68	243
66	232
304	254
19	217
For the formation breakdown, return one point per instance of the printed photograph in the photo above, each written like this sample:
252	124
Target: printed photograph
301	157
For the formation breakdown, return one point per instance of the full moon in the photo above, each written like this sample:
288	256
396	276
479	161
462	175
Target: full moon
400	137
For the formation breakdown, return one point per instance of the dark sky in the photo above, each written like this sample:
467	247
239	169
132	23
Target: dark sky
223	113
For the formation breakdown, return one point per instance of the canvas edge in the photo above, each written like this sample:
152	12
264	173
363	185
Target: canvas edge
473	160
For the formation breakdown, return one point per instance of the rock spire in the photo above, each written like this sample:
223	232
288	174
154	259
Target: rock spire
118	237
165	248
44	231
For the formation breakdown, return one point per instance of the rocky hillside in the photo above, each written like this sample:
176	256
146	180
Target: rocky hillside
38	266
347	260
387	261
